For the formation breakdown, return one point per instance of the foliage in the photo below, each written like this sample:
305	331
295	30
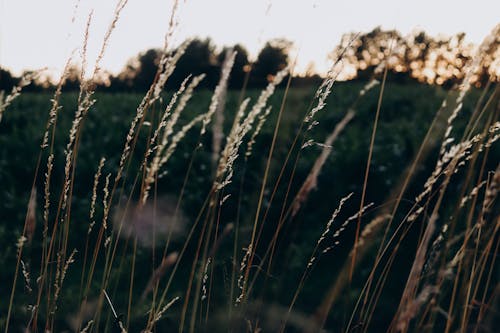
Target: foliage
433	60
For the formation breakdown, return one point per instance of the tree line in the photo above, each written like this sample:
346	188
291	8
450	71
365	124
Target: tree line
416	57
440	60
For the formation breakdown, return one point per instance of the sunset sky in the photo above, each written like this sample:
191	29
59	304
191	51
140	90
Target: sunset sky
35	34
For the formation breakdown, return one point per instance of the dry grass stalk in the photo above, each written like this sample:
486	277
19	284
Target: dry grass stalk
16	91
312	179
415	305
159	272
85	102
343	226
83	107
120	5
491	194
408	296
87	327
230	152
258	128
473	193
450	162
240	129
168	132
342	280
61	274
205	278
105	202
54	109
264	96
493	137
94	194
371	228
323	92
160	313
26	275
46	191
219	90
83	51
313	255
20	242
241	278
152	169
165	69
179	136
31	216
169	126
329	224
117	319
334	216
218	127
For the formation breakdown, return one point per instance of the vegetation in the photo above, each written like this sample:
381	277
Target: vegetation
359	206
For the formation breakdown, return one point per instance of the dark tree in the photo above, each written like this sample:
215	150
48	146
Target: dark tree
272	58
7	80
148	66
240	68
433	60
198	58
139	72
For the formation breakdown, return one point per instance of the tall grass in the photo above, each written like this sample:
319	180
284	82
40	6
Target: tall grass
227	253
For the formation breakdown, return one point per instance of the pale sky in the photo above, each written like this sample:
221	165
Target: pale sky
40	33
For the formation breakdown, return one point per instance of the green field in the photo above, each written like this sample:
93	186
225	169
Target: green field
407	112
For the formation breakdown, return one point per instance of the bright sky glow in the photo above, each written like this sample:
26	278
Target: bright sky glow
35	34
